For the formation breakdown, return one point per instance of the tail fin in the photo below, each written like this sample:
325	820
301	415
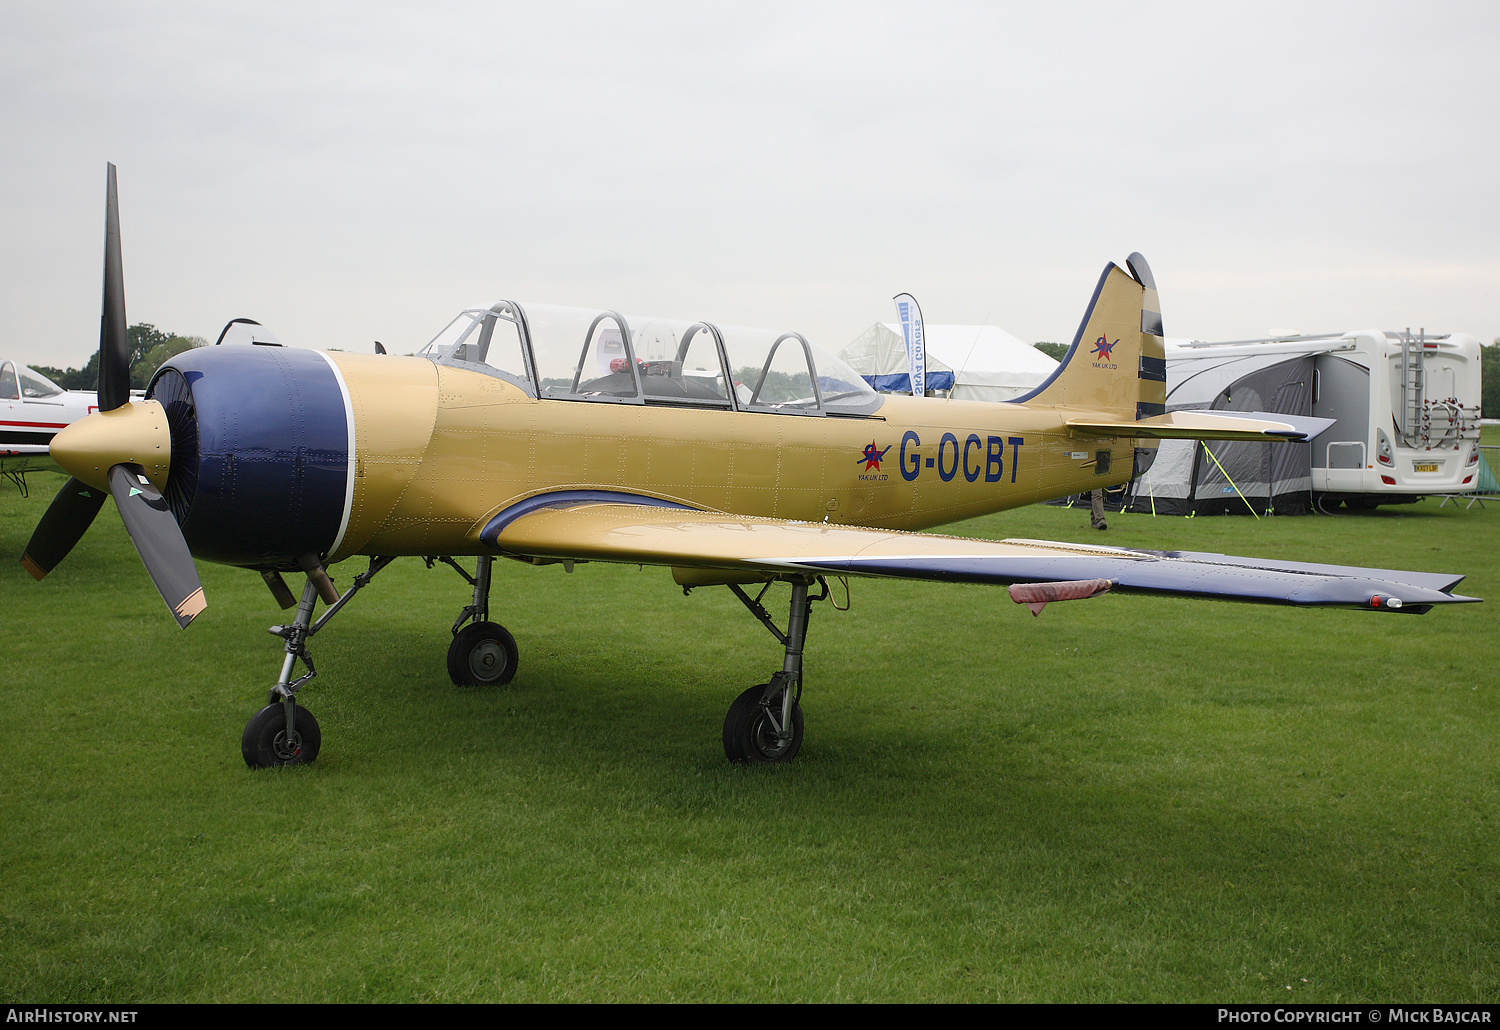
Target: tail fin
1117	363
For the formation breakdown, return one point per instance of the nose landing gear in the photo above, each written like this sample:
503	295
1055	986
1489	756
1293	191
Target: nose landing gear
268	743
283	732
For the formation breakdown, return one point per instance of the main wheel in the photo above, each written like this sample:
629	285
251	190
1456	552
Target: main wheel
482	654
749	736
265	743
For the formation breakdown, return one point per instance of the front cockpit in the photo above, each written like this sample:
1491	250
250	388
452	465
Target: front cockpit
577	354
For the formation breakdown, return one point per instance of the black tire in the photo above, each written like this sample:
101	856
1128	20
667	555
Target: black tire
264	744
482	655
749	736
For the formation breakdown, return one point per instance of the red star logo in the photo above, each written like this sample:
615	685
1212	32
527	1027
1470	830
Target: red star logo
1102	347
872	456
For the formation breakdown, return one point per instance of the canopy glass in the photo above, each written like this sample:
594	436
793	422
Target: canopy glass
603	356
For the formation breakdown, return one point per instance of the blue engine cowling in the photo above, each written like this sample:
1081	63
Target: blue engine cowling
260	452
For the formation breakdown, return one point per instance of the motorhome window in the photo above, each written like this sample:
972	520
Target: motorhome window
486	340
34	384
8	391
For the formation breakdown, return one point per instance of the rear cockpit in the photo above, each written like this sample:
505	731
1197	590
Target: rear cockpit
577	354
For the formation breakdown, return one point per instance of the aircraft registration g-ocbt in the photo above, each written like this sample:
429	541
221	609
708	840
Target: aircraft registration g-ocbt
734	457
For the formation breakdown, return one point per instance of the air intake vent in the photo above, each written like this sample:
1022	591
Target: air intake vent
171	390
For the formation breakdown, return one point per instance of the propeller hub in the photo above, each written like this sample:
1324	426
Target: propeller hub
134	433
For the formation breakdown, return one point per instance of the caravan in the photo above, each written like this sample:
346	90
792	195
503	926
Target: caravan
1407	410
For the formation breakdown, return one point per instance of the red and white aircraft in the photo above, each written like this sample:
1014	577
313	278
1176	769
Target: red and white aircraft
32	410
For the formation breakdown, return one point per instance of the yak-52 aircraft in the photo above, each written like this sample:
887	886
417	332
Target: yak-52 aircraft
732	456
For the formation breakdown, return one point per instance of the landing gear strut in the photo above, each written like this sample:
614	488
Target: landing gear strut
764	725
483	653
283	732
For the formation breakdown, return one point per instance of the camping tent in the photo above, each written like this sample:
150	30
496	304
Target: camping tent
976	362
1215	477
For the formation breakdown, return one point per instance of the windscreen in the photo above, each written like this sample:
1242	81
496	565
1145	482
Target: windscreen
34	384
486	340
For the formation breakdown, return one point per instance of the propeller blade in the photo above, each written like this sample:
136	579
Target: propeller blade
69	515
158	540
114	349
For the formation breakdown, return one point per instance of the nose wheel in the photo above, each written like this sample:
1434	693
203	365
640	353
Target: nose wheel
483	654
267	743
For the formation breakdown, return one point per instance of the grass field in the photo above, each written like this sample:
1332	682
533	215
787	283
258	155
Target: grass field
1124	799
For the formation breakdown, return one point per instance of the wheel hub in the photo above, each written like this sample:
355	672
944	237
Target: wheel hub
487	660
284	751
767	740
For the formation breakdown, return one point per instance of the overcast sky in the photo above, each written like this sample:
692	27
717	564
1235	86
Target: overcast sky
346	173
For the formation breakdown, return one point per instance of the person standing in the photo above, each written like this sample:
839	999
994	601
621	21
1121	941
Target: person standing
1096	509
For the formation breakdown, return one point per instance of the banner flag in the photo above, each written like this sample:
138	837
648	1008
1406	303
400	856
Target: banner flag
911	332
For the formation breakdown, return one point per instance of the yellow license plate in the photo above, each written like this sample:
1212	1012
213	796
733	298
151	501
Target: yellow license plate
1424	466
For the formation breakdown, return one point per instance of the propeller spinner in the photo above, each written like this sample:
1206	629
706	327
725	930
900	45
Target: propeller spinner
125	449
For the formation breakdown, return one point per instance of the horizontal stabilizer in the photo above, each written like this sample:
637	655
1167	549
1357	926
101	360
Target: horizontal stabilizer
1208	425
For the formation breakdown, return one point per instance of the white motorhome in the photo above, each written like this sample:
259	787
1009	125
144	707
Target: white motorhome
1407	407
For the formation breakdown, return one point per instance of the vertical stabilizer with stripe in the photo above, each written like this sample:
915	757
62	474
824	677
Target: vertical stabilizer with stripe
1117	362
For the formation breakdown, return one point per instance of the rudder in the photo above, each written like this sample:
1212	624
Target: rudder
1117	362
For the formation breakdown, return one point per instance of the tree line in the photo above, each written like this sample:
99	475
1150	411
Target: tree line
1489	369
147	347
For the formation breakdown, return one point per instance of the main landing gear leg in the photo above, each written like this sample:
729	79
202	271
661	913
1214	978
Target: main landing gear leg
764	725
283	732
483	653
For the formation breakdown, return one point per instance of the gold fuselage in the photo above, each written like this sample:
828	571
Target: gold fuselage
439	450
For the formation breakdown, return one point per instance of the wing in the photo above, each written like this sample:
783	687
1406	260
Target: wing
20	457
706	547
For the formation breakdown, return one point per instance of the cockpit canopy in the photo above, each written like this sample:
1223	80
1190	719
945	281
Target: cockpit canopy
590	355
32	384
